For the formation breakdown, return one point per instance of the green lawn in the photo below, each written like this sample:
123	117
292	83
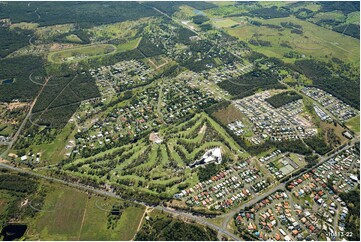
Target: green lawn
337	15
128	223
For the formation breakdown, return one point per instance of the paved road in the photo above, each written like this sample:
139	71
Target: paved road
11	143
110	194
202	221
281	186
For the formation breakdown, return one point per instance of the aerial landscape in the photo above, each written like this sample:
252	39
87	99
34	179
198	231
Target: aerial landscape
176	120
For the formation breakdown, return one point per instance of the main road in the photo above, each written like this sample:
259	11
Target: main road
221	229
110	194
11	143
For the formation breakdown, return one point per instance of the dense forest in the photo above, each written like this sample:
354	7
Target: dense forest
84	13
170	7
349	29
148	49
168	229
283	98
19	69
345	88
12	40
318	144
16	188
352	199
249	83
62	96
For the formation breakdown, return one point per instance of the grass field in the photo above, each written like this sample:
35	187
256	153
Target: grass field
73	38
47	31
79	53
315	41
72	215
313	6
65	222
129	45
5	200
337	15
6	129
337	130
55	151
223	22
354	124
126	29
24	25
353	18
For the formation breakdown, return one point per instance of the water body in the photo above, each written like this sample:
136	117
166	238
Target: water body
8	81
13	231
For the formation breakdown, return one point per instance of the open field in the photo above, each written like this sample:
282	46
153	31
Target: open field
24	25
65	217
223	22
338	130
315	41
132	44
54	152
73	38
78	53
69	214
337	15
49	31
126	29
354	124
353	18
